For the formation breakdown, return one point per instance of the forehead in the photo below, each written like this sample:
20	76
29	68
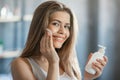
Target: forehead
60	15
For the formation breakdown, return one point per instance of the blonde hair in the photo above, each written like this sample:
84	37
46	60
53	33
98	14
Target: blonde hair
38	25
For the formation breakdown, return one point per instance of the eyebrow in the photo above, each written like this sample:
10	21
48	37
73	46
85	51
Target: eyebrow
59	21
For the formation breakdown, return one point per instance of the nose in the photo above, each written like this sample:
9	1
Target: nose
62	30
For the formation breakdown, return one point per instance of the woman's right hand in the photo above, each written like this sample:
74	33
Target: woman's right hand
47	49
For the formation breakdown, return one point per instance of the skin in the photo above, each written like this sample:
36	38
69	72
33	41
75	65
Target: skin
98	66
59	26
53	38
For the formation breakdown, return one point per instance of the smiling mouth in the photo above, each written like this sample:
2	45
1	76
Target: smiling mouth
58	39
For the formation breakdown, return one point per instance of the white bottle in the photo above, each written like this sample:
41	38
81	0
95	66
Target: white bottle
97	55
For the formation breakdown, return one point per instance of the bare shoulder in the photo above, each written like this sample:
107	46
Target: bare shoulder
19	61
21	69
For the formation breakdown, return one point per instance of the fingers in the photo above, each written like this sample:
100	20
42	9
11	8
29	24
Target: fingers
101	62
46	42
97	69
105	59
99	65
51	41
49	38
90	55
42	44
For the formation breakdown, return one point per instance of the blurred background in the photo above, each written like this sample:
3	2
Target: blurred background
98	20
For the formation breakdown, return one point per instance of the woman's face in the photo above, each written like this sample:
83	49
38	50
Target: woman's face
59	24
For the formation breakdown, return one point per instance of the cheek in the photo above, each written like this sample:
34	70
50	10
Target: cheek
52	29
67	35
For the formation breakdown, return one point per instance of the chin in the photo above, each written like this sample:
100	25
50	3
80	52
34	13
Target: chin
57	46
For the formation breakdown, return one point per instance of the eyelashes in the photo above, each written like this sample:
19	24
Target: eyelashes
58	25
55	24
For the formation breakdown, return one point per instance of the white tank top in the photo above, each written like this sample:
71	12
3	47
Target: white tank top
40	74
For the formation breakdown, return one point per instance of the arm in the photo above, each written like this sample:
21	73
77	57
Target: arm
48	51
53	71
21	70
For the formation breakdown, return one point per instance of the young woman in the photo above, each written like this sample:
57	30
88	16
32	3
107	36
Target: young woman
49	53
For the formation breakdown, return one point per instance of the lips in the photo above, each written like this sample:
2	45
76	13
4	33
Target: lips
59	38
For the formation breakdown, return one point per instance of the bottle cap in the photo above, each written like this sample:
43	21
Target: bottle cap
102	48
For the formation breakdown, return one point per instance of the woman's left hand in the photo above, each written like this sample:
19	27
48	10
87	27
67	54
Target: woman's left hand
98	66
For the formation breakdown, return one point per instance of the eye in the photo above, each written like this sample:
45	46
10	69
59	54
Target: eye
67	26
56	24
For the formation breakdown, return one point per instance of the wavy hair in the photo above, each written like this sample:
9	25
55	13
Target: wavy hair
37	29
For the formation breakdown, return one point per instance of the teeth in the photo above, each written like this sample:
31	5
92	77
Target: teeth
59	38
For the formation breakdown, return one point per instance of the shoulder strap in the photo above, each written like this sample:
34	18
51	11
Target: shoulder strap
36	69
